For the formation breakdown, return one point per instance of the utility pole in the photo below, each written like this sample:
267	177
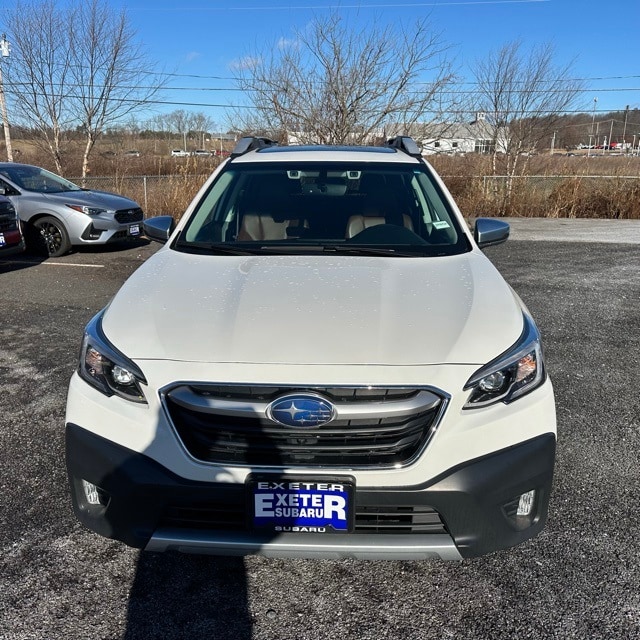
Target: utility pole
5	49
624	129
593	119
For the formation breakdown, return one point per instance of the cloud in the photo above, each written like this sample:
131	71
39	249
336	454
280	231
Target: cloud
193	55
245	63
288	43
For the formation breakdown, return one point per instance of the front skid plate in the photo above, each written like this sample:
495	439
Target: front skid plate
361	547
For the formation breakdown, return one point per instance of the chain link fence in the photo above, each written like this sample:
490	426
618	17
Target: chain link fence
157	195
545	185
592	196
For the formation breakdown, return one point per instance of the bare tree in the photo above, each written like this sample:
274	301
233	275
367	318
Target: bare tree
336	85
110	70
524	95
77	66
186	123
179	121
38	71
201	123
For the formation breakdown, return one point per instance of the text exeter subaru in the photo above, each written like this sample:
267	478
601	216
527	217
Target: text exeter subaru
320	362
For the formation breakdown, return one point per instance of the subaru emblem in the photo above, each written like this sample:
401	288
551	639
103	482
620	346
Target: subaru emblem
302	411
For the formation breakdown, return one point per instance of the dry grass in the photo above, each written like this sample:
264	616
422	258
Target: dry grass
553	187
559	186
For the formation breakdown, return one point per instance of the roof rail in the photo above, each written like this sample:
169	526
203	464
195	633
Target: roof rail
251	143
406	144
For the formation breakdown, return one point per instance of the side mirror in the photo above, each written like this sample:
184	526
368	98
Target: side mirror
489	231
159	228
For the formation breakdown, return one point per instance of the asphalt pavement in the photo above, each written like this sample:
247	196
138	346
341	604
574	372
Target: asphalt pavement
579	579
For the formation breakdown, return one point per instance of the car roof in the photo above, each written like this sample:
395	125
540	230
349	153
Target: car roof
325	153
401	149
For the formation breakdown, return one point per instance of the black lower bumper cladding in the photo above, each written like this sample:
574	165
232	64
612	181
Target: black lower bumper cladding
468	502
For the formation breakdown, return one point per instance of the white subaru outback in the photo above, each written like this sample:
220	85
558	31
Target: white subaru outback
320	362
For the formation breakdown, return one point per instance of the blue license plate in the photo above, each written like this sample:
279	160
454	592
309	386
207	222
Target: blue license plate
301	505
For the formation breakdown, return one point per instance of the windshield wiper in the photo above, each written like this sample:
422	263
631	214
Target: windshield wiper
222	248
206	247
250	249
401	252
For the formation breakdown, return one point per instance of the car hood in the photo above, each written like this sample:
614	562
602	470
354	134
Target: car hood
103	199
314	310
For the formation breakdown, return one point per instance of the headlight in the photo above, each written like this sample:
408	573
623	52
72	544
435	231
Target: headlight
512	375
105	368
83	208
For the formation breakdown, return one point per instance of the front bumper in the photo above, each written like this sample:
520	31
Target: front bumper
12	243
103	229
470	506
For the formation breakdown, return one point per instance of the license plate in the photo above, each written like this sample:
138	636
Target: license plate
301	505
134	230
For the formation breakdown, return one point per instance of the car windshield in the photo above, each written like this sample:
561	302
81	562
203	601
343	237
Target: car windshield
351	208
38	180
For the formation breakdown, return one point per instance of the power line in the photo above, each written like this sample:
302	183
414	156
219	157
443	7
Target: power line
17	85
332	7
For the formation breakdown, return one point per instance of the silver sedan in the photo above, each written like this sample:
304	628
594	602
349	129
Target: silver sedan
57	214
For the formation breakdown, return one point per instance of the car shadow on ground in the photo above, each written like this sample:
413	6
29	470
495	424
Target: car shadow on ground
112	247
187	596
33	257
19	261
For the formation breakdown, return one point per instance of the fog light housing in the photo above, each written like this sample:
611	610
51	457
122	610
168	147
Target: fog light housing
93	494
521	510
91	233
526	503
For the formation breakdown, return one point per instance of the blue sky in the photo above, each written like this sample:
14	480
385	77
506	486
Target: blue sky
200	40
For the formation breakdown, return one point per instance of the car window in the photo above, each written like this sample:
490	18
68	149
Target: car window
38	180
301	207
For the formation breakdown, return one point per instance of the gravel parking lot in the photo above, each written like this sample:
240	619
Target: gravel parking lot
579	579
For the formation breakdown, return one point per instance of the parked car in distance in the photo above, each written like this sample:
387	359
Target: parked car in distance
133	153
324	364
201	152
11	240
180	153
57	214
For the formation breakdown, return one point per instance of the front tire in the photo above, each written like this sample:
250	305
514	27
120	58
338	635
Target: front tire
51	237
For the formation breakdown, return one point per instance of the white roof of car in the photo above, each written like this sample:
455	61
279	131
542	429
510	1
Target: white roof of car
325	154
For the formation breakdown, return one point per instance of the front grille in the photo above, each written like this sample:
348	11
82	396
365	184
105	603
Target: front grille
374	427
417	519
412	519
125	216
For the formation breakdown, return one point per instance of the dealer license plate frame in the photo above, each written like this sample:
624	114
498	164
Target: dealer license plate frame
267	484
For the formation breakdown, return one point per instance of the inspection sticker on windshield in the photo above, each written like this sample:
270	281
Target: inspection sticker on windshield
134	230
301	505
